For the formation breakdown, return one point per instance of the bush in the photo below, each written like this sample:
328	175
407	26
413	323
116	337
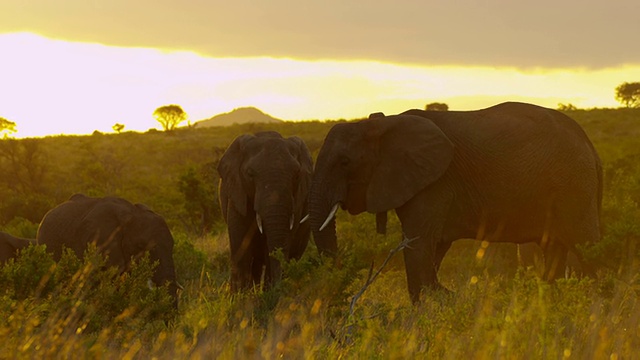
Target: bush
76	296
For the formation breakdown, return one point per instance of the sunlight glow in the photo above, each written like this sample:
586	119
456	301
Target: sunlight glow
53	86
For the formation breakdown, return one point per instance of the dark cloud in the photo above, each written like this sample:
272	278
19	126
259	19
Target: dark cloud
544	33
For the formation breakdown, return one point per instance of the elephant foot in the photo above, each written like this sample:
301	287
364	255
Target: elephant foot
440	292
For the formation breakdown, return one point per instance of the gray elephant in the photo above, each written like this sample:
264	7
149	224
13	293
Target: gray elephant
513	172
9	246
120	230
264	185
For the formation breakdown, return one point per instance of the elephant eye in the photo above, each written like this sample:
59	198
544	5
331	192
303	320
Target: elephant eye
344	161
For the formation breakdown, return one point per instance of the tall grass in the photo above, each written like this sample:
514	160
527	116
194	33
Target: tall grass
72	309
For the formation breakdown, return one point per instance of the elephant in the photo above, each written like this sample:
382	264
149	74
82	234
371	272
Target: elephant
9	246
513	172
120	230
264	186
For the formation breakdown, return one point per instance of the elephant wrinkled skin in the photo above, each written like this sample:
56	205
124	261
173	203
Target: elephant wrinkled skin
264	185
513	172
9	246
120	230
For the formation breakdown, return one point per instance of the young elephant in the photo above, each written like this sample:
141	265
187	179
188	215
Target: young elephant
264	182
120	230
513	172
9	246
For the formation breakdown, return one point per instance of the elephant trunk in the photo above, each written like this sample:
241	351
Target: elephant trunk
165	273
322	209
277	226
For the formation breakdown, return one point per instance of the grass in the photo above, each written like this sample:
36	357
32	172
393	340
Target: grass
489	314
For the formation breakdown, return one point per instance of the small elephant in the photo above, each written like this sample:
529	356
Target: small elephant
264	185
120	230
9	246
513	172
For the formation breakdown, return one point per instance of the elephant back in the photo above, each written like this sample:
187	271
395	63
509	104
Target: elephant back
59	227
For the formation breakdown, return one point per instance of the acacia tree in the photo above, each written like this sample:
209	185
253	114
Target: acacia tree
169	116
628	94
8	126
436	106
118	127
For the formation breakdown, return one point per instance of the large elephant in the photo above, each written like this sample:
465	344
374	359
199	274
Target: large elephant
9	246
513	172
120	230
264	185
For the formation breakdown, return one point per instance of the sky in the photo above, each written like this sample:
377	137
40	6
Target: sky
75	66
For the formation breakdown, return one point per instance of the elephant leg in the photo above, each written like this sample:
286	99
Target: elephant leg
242	233
424	255
441	251
555	256
416	272
421	265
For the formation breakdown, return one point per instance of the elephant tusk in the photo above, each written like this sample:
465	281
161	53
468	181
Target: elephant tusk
332	213
259	221
305	218
291	222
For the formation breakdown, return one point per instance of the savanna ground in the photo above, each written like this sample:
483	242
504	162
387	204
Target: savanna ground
495	310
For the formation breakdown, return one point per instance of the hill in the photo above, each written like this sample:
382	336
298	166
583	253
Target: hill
241	115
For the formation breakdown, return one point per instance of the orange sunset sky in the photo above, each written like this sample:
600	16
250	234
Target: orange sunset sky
75	66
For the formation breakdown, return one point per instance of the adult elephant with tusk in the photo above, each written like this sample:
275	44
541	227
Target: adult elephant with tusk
513	172
264	185
121	230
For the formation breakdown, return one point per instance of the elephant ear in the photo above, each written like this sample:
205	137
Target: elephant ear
306	171
412	153
231	189
104	224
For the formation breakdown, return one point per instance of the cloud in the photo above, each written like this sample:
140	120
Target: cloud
501	33
55	86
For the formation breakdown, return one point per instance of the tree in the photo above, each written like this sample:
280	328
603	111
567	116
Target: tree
24	165
8	126
436	106
169	116
628	94
567	107
118	127
199	187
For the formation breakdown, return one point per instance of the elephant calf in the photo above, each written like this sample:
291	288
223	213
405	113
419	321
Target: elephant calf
9	246
264	182
120	230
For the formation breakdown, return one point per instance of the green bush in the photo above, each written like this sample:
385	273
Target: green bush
76	296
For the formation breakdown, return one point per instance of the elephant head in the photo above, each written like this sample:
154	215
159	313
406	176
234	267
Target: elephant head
373	165
264	184
121	230
9	246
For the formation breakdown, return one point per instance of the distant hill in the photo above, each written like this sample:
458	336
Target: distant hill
241	115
